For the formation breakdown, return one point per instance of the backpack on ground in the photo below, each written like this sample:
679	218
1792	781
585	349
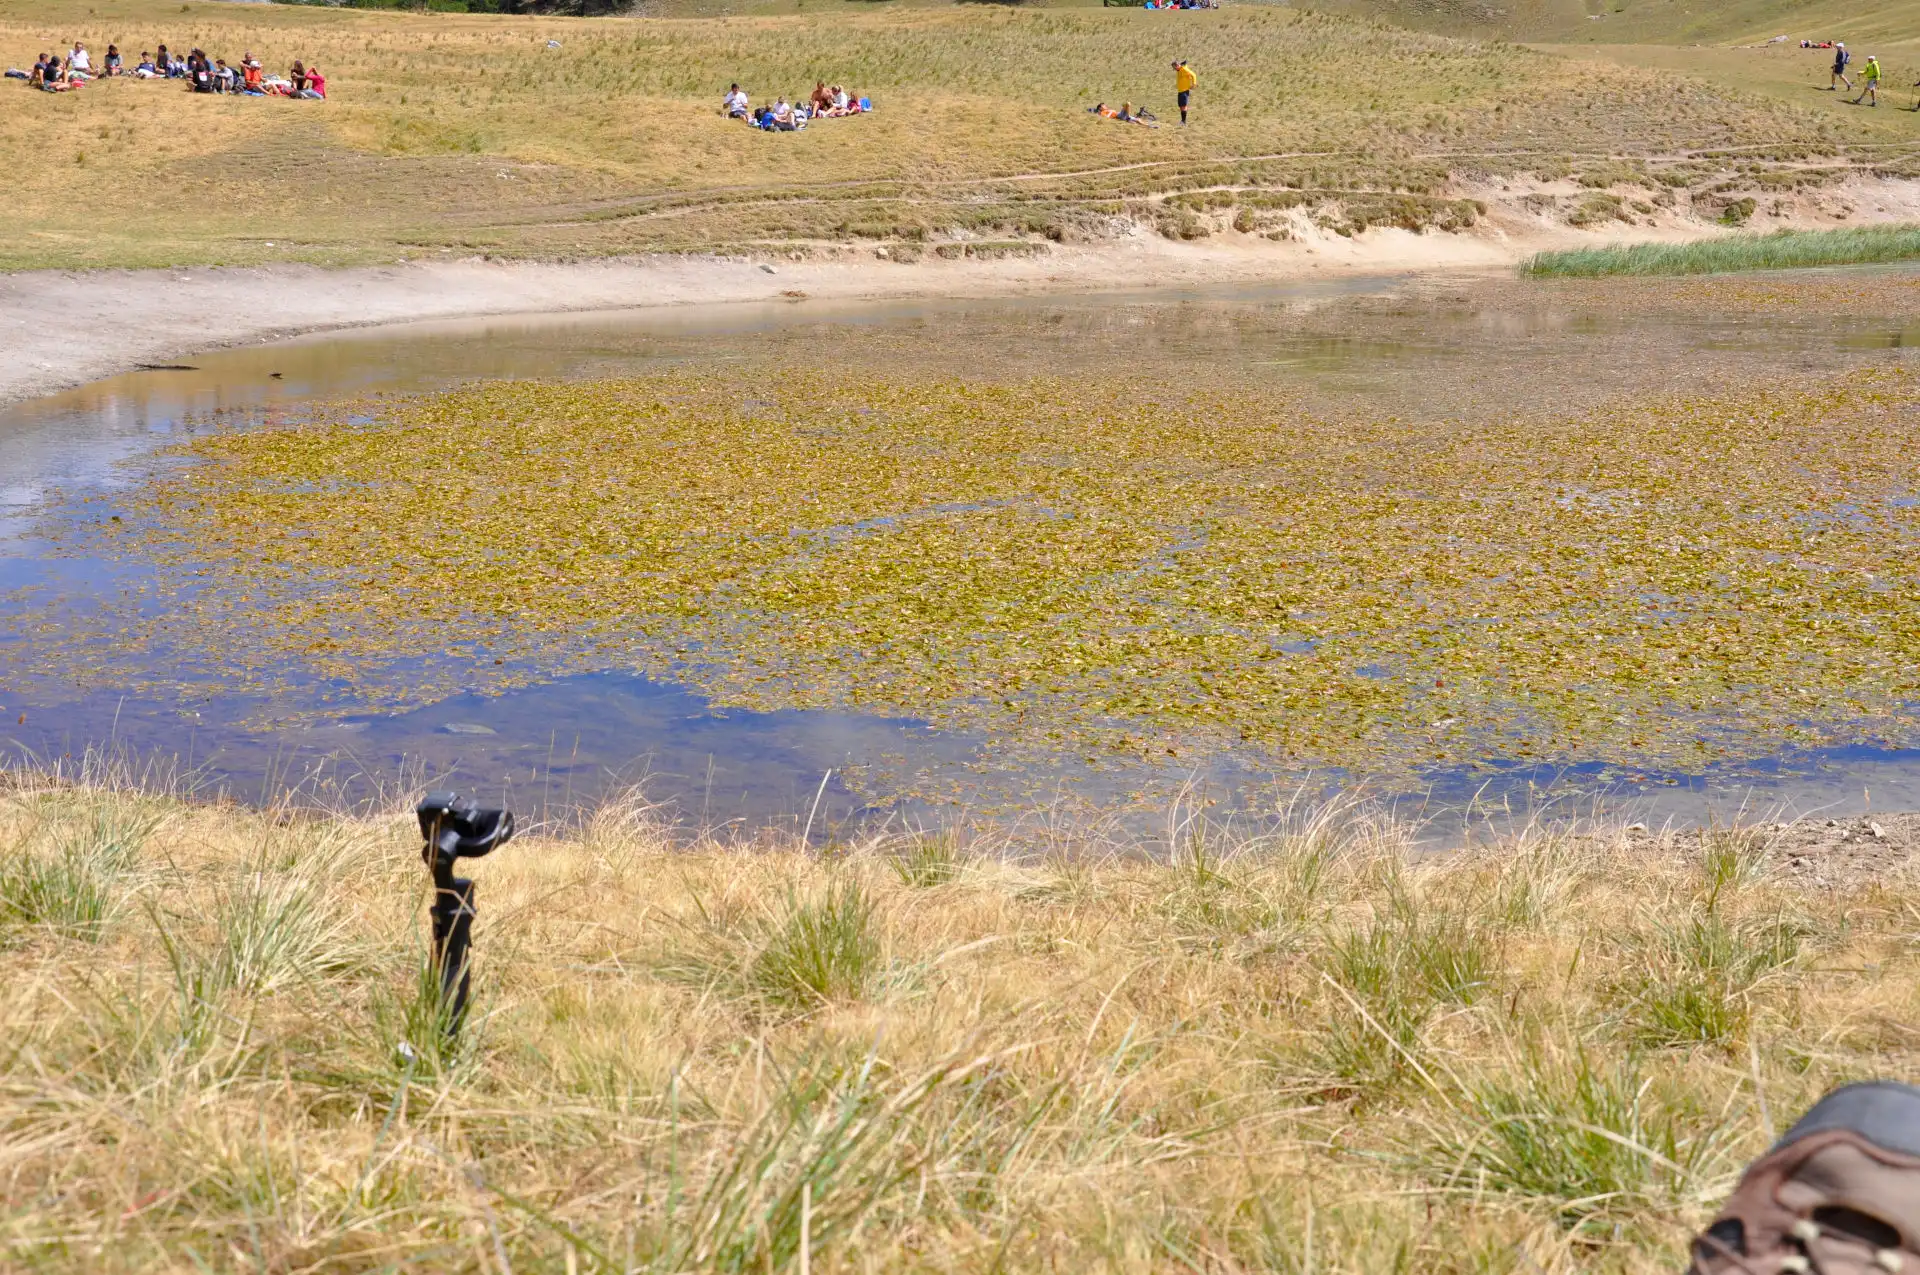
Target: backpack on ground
1839	1194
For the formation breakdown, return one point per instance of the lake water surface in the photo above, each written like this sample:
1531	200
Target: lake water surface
1386	347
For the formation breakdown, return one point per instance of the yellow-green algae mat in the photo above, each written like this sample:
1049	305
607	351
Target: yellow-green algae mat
1112	568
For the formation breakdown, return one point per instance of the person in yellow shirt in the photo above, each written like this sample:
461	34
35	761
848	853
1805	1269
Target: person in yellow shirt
1869	82
1183	82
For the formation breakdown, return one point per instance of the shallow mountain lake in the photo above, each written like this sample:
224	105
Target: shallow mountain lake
1464	546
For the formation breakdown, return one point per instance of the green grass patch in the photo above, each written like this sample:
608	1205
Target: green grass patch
1781	250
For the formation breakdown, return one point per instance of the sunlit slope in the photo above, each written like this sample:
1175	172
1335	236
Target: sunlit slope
555	136
1650	21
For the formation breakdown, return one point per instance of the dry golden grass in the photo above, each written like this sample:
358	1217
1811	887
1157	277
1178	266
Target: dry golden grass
468	133
1306	1050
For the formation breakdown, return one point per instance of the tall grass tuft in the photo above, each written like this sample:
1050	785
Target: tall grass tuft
822	949
684	1060
1585	1140
274	919
1414	958
928	860
1781	250
66	873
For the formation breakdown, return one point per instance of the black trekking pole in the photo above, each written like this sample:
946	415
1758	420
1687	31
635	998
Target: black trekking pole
455	828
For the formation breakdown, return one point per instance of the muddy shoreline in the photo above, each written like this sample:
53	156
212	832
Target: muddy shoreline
59	329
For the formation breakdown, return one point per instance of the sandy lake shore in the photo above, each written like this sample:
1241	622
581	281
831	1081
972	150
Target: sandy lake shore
59	329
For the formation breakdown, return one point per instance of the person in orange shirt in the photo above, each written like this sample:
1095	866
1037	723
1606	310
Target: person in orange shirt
250	75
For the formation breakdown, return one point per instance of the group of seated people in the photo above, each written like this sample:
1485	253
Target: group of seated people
55	74
787	117
1126	114
1181	4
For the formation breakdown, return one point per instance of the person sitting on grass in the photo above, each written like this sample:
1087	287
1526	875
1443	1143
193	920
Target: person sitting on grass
199	72
316	89
222	76
250	80
112	66
298	77
783	116
58	78
80	62
821	98
735	103
145	69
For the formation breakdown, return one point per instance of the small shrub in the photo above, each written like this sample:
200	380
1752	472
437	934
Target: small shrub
1598	209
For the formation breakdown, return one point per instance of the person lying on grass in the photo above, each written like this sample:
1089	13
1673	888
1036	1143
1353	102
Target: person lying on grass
1124	115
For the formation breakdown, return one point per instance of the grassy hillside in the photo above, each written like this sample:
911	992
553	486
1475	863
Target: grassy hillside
1714	22
1305	1051
469	133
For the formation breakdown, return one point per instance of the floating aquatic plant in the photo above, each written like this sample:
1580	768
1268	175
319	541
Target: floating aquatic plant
1114	568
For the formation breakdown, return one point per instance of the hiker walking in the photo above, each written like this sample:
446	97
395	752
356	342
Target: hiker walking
1183	81
1840	59
1869	82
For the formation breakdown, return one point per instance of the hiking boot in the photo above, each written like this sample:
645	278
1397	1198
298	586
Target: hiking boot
1839	1194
